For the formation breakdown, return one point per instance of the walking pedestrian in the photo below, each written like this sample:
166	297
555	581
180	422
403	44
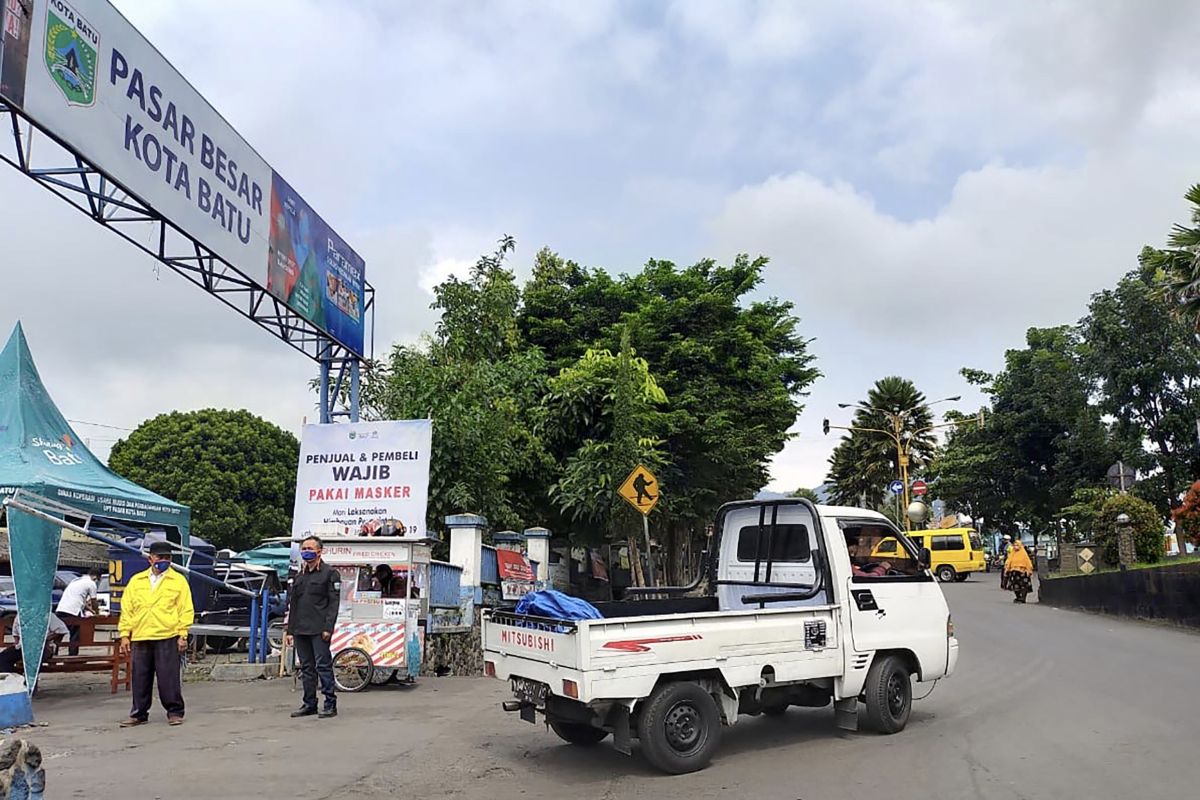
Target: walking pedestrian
313	604
156	613
1018	572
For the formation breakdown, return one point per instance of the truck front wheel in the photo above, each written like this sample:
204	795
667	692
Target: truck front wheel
888	693
679	728
578	733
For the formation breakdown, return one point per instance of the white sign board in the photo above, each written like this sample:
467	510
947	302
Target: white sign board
371	478
515	590
369	552
81	71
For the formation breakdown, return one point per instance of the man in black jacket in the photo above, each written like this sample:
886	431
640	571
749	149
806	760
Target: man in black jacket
312	610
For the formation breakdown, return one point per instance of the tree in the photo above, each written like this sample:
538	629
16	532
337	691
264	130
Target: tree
1085	513
734	370
1147	527
807	494
605	418
866	460
235	470
483	390
1044	438
1180	263
1145	362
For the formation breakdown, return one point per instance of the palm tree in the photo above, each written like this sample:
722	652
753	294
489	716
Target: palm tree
866	461
1181	262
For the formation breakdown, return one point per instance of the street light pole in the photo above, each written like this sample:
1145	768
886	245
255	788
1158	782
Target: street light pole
903	448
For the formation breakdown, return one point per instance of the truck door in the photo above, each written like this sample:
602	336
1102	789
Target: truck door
893	602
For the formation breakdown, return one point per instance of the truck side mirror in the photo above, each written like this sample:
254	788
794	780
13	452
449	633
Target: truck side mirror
926	558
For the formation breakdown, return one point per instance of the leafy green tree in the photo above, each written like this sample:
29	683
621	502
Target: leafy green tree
1044	438
735	370
866	460
807	494
483	389
604	412
1085	512
486	456
1180	263
1145	520
236	471
1145	362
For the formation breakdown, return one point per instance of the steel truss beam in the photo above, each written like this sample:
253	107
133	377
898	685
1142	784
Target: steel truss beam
65	172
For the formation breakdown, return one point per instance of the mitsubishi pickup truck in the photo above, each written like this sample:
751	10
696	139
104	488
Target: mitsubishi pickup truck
790	610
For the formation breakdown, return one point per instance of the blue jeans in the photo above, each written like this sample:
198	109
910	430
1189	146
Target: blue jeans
315	662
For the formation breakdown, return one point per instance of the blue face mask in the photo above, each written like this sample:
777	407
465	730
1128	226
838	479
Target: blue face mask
160	566
308	555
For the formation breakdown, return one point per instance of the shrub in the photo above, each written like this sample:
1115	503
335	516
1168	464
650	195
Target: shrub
1143	518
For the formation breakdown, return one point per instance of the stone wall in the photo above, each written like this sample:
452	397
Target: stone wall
459	654
1170	593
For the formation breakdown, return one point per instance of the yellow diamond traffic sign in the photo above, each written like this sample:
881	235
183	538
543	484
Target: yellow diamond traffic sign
640	489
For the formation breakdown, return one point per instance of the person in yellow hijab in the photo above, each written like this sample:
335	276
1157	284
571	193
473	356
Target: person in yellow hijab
1018	572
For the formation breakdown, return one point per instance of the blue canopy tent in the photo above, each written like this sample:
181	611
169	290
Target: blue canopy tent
41	454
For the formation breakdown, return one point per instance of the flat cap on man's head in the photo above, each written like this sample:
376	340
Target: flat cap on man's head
161	549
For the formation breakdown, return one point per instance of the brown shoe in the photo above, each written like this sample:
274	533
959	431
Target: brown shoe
174	720
132	722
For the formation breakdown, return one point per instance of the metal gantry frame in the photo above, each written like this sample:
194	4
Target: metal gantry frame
67	173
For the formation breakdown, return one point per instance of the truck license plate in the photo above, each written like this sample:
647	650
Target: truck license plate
528	691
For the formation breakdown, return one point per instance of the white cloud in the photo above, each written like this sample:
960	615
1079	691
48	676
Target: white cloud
1012	248
929	178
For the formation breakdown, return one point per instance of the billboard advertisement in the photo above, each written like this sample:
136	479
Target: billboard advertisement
81	71
15	16
367	478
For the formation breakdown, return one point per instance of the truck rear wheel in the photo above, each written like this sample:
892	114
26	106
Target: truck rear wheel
679	728
888	692
578	733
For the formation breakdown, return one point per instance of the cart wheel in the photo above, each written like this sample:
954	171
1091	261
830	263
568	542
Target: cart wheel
382	675
352	670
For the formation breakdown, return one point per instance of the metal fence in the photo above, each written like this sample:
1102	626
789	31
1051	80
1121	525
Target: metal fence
444	582
489	569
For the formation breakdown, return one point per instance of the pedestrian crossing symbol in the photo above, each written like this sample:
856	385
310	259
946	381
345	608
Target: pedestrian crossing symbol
640	489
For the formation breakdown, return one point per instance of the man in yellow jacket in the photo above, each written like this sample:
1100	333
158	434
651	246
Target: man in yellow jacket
156	612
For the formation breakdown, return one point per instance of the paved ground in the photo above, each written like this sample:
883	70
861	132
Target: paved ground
1046	704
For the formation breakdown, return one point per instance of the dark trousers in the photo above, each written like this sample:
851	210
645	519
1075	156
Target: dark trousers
157	659
9	658
72	623
315	662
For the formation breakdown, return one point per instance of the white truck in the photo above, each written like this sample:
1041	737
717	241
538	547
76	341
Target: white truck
795	614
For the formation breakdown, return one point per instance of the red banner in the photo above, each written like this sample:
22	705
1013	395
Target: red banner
513	566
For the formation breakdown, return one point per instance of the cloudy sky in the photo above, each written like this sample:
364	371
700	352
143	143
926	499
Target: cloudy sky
928	179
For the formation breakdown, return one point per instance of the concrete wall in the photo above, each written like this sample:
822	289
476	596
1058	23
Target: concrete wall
1169	593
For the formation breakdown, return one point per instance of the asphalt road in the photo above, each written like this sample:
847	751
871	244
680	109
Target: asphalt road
1045	704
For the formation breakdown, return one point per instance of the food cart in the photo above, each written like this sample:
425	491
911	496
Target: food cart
377	637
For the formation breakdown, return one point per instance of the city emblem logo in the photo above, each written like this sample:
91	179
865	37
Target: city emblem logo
71	52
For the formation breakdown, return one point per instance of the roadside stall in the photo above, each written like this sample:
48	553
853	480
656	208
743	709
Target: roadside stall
40	454
385	589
